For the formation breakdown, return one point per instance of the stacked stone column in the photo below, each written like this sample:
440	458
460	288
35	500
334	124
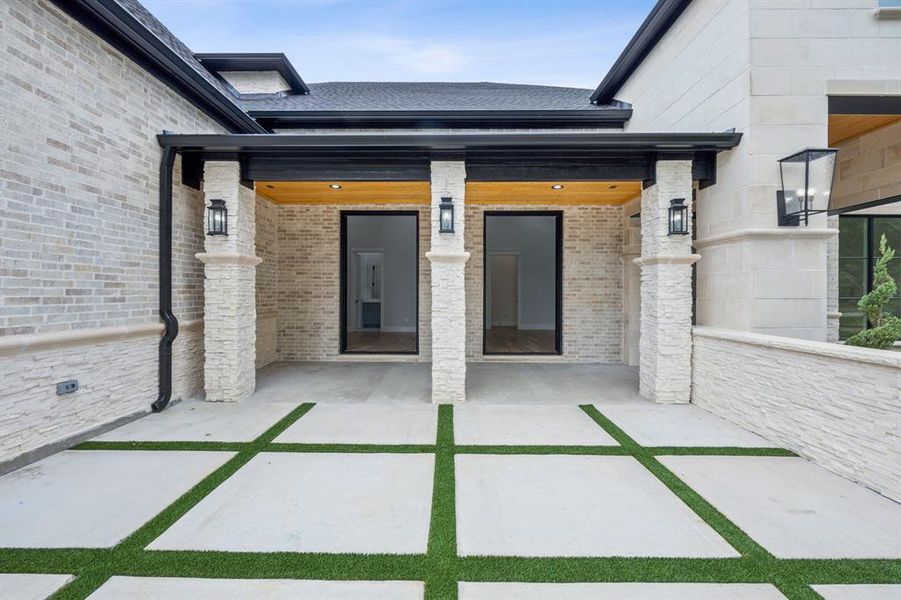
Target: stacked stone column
230	289
448	263
666	293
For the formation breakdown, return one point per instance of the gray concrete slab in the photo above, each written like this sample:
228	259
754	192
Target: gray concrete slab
553	505
360	503
618	591
794	508
94	499
199	421
550	383
365	424
678	425
174	588
22	586
858	592
326	382
527	425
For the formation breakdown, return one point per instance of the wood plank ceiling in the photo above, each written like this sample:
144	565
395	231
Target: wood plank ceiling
477	192
845	127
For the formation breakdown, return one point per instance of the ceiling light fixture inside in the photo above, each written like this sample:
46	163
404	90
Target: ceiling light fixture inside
557	186
335	186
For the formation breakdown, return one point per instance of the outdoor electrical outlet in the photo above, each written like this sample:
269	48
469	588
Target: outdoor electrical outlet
66	387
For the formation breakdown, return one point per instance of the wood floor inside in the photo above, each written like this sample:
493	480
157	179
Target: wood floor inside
511	340
380	341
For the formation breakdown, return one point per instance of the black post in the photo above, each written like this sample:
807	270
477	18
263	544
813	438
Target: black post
169	321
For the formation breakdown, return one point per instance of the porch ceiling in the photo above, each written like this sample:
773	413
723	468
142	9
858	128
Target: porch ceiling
845	127
477	192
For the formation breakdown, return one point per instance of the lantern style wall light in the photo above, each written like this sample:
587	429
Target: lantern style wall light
446	215
678	217
807	178
217	218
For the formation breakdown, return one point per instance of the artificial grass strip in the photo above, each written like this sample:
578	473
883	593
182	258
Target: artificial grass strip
165	446
352	448
570	450
712	451
441	578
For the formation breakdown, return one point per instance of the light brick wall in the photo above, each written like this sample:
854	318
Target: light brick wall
631	281
592	282
869	166
836	405
309	247
267	281
256	82
79	171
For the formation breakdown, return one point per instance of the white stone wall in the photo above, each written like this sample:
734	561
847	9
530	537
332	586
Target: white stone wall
79	172
869	166
592	282
836	405
763	67
256	82
448	258
631	281
308	281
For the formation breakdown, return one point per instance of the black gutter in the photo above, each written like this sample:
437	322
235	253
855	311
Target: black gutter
654	27
165	270
350	142
117	26
614	117
274	61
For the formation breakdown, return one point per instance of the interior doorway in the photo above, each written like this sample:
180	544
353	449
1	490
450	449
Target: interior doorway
379	282
523	282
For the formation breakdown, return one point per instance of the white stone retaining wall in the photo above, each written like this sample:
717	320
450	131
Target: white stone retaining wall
837	405
592	282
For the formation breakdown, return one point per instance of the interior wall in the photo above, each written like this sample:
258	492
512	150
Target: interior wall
308	284
396	237
532	239
592	282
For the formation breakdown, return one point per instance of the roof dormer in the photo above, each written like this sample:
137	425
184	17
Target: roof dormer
252	74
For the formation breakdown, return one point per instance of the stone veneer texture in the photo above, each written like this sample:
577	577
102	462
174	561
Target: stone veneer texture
836	405
592	282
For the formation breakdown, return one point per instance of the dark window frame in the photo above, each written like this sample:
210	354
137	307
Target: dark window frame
342	349
558	279
870	258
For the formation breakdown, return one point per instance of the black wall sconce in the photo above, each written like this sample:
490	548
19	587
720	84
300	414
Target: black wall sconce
217	218
807	178
678	217
446	215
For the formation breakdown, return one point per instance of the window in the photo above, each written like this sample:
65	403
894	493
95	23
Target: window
858	248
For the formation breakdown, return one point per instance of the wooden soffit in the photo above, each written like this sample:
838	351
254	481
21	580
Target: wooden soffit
350	192
543	192
845	127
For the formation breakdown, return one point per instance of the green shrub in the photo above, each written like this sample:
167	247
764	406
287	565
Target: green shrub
885	328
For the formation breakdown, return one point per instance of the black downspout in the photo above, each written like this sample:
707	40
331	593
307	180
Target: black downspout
169	321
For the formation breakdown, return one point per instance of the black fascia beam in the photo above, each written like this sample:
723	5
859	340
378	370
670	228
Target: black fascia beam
865	105
272	61
118	27
656	24
612	118
660	143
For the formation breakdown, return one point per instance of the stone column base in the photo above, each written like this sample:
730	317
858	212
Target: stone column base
448	326
230	326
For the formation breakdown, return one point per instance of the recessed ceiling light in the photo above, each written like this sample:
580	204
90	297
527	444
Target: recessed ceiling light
557	186
271	187
335	186
612	187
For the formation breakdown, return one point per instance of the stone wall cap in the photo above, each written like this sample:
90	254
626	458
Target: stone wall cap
447	257
766	234
667	259
228	258
886	358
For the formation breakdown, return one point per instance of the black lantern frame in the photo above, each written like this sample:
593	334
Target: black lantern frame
678	217
806	179
446	215
217	218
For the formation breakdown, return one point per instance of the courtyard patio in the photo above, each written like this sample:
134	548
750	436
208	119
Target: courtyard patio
358	497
